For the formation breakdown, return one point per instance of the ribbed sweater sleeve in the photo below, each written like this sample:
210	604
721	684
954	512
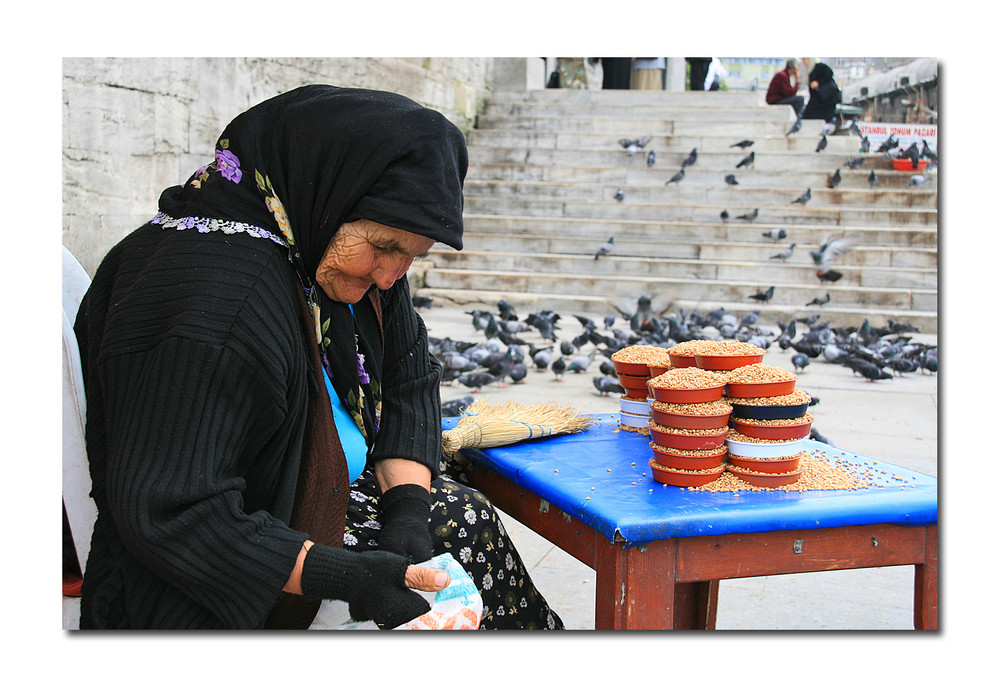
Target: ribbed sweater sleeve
411	396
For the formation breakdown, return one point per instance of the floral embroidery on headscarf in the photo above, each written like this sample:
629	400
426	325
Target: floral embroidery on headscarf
226	163
276	208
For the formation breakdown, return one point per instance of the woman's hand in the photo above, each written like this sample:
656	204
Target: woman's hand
406	507
426	579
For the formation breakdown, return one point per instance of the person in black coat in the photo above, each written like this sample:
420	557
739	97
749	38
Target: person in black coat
824	94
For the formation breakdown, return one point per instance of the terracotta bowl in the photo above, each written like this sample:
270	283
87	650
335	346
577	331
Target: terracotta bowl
634	406
779	479
906	165
632	420
657	370
634	369
713	393
682	360
726	362
689	421
760	389
769	412
786	432
776	450
684	478
768	465
679	461
688	442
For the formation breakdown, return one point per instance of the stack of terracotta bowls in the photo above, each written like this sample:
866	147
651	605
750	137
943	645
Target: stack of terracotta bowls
634	365
770	424
688	427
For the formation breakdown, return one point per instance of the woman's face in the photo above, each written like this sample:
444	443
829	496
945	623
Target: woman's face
363	253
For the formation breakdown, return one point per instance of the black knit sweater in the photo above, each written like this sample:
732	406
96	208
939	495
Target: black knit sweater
197	380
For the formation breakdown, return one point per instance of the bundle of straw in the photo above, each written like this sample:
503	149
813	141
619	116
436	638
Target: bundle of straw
485	426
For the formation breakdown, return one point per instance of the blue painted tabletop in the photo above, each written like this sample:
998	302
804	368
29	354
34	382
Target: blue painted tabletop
601	476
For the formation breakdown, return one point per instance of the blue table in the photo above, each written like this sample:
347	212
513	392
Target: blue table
659	551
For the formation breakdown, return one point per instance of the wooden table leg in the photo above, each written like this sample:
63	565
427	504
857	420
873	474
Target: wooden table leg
925	584
637	590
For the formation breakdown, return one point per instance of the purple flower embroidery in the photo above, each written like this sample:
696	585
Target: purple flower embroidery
362	375
229	165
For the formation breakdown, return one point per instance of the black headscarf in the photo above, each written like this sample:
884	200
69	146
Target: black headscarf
303	163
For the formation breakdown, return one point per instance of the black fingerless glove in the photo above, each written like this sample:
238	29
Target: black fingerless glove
406	510
371	582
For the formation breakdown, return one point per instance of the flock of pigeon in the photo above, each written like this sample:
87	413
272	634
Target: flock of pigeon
502	354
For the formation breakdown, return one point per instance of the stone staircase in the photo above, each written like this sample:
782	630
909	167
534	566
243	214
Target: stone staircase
539	201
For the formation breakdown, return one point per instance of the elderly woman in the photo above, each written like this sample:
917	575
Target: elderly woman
824	94
263	424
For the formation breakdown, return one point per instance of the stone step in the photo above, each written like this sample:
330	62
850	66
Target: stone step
761	252
704	187
524	227
696	206
599	306
631	285
630	97
746	269
666	121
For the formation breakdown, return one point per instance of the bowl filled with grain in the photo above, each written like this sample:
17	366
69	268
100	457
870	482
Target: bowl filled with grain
727	355
691	415
635	360
765	479
688	439
771	407
682	354
687	385
752	447
685	478
634	405
785	430
634	386
633	420
766	465
680	459
758	380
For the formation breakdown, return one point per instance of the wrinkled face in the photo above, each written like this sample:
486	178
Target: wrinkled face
364	253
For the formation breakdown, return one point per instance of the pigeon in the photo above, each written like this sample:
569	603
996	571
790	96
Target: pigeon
873	179
747	161
579	364
854	129
856	163
822	144
834	181
607	384
731	180
750	216
829	127
605	249
619	195
676	178
643	314
865	145
542	358
763	296
455	407
795	127
749	320
724	215
690	159
816	436
800	361
632	146
507	311
917	180
776	234
784	255
819	300
829	275
804	198
742	145
927	153
650	158
888	144
558	368
476	380
830	249
421	302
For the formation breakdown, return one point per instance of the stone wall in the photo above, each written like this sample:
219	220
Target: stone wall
134	126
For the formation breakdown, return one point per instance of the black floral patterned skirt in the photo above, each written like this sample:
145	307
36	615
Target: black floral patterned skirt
465	524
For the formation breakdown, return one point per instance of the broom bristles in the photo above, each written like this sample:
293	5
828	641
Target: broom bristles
484	426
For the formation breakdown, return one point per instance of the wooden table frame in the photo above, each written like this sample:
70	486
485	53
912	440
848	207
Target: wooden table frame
674	583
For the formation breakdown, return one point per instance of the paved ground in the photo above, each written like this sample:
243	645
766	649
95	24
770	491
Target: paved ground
894	420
